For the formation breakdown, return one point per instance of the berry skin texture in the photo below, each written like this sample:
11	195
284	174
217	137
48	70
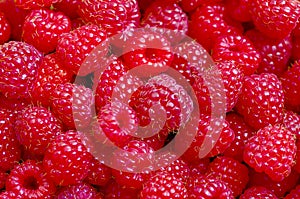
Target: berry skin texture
276	19
262	100
34	4
99	174
258	192
76	49
42	29
29	181
19	64
295	193
272	150
5	29
78	191
35	128
67	160
163	185
113	190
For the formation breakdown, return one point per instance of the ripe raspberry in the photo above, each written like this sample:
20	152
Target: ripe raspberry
297	159
295	193
42	29
133	158
99	174
148	53
78	47
113	190
164	185
8	195
261	101
19	64
34	4
258	192
191	5
242	133
76	23
275	53
231	172
208	188
296	48
291	121
114	16
290	83
238	10
49	75
239	49
80	191
66	160
35	128
200	167
68	7
72	103
29	181
3	178
276	19
5	29
156	141
271	150
161	15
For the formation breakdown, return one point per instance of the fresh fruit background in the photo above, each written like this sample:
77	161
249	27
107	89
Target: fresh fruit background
58	89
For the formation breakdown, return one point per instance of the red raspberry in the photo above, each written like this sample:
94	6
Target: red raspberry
72	103
190	5
208	188
66	160
296	48
258	192
290	83
8	195
3	178
242	133
135	155
156	141
262	100
42	29
162	15
238	10
76	23
113	190
239	49
80	191
270	147
230	171
291	121
148	53
19	64
29	181
114	16
99	174
164	185
275	53
35	128
199	167
297	159
34	4
68	7
49	75
5	29
77	49
295	193
9	148
276	19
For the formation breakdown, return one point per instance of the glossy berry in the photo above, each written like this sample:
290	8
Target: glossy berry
258	192
67	160
238	10
35	128
42	29
19	64
276	19
270	147
295	193
291	121
113	190
68	7
76	49
262	100
32	4
163	185
3	178
80	191
99	174
5	29
199	167
29	181
297	158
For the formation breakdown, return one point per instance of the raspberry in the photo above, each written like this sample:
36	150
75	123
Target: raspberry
190	5
275	53
72	105
80	191
78	47
8	195
114	16
68	7
199	167
242	133
156	141
291	121
276	19
271	150
239	49
113	190
99	174
34	4
258	192
164	185
295	193
231	172
296	48
161	15
5	29
208	188
261	101
238	10
19	64
35	128
66	160
49	75
290	83
29	181
3	178
297	159
42	29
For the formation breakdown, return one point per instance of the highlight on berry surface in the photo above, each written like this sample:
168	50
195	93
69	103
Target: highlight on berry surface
149	99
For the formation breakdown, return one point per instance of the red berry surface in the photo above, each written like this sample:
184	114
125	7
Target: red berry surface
5	29
79	191
258	192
